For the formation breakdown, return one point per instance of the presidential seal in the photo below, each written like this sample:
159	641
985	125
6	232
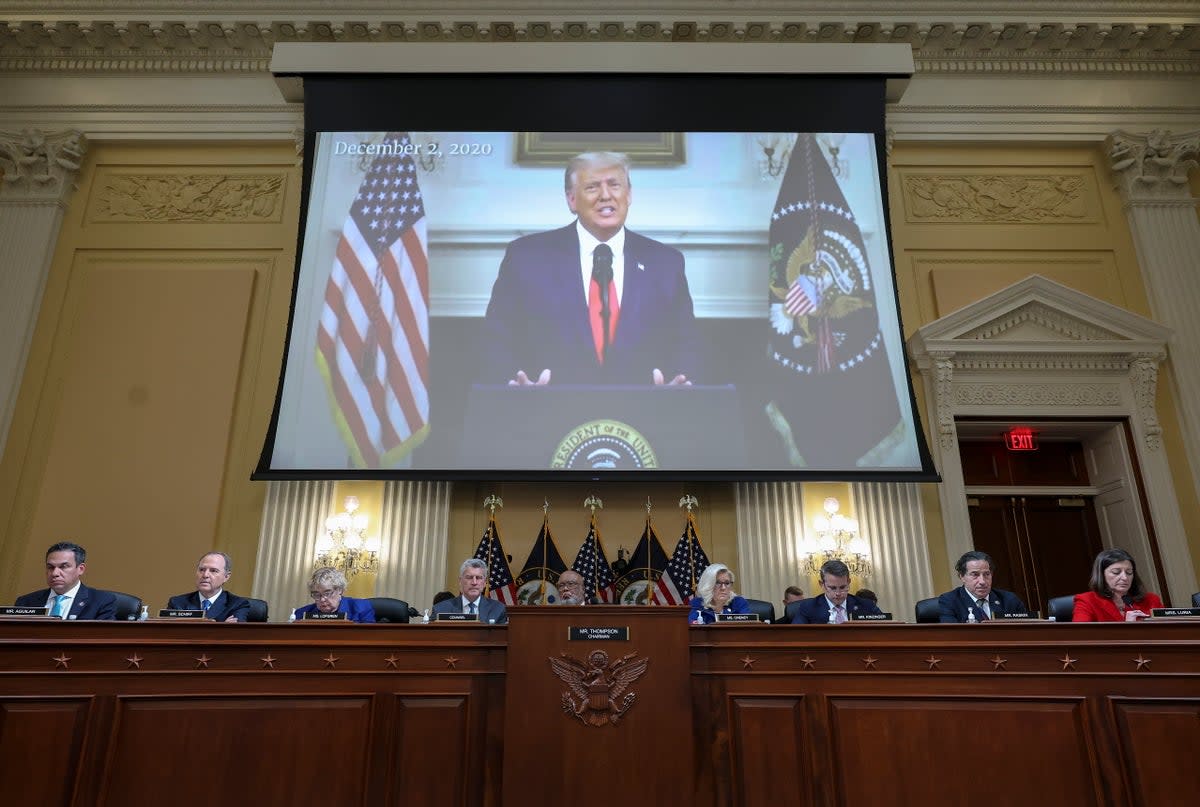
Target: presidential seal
603	445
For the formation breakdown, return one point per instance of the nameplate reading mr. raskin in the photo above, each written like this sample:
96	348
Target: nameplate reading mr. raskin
23	610
886	616
737	617
1175	612
589	634
336	615
1020	615
180	613
458	617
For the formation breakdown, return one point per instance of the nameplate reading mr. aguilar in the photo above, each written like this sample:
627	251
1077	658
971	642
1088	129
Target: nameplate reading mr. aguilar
180	613
590	634
23	610
336	615
886	616
458	617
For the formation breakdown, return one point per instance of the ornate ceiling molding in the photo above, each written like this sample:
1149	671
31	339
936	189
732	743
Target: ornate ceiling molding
951	38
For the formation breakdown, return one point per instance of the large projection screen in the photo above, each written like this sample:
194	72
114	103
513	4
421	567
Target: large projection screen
707	293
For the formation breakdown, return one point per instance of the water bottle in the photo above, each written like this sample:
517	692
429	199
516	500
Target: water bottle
292	615
425	616
144	615
971	616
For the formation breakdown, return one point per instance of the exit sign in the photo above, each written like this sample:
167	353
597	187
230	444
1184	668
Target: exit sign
1021	438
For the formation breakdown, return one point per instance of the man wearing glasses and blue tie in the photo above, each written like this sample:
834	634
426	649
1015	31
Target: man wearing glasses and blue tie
67	597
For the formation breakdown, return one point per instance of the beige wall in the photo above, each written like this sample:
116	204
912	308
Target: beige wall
153	367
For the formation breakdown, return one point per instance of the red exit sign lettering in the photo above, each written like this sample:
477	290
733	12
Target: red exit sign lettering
1022	438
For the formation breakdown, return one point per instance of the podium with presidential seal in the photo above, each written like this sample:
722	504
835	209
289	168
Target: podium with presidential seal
603	428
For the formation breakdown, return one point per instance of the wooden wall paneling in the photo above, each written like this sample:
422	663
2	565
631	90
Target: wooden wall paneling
432	742
770	750
1157	739
284	749
43	737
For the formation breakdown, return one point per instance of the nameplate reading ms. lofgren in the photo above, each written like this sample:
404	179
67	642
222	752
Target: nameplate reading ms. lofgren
336	615
458	617
590	634
23	610
180	613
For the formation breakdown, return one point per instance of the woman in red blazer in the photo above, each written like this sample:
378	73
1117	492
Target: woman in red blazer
1117	593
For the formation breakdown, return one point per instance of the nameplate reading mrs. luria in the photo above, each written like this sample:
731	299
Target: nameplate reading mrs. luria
335	616
458	617
180	613
886	616
737	617
23	610
590	634
1195	612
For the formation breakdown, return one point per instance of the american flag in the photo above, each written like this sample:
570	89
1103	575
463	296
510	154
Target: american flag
373	338
592	563
500	583
688	561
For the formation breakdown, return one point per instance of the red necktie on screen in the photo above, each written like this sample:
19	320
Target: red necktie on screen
603	308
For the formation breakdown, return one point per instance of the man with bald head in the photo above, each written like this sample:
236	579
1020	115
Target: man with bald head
212	573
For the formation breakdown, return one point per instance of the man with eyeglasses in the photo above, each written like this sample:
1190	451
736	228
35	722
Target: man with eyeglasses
472	579
326	587
835	604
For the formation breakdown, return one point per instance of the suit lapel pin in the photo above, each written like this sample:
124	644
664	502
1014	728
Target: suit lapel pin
641	267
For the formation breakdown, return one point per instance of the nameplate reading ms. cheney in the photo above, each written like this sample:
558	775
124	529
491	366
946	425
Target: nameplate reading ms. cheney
737	617
610	634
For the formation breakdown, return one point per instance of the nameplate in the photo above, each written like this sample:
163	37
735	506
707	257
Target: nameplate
589	634
457	617
23	610
336	616
180	613
1018	615
886	616
1175	612
737	617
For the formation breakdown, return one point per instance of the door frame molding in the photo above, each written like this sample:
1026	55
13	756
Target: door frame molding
1038	349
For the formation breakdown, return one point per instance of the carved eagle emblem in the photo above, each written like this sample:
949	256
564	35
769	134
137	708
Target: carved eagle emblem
597	690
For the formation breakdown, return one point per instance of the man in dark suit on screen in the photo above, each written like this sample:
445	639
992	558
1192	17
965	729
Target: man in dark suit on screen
976	596
67	597
212	573
472	578
592	302
835	604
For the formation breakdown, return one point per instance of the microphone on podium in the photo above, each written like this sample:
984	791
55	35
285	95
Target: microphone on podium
602	273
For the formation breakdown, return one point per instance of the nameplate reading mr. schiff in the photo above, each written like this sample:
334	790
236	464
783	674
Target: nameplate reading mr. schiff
737	617
590	634
458	617
180	613
23	610
335	616
886	616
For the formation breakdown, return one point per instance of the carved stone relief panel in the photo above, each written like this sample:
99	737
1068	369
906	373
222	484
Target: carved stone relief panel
209	197
998	198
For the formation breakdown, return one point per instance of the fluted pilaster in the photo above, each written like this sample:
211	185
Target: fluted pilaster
38	173
414	532
1151	172
293	517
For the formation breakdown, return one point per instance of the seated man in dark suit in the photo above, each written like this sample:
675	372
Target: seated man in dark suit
835	604
472	577
212	573
976	595
67	597
592	302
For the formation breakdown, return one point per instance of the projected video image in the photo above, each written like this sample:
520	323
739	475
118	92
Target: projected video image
595	302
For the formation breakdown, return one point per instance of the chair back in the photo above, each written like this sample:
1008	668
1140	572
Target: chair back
258	610
389	609
789	613
129	607
764	609
1061	608
928	610
1196	600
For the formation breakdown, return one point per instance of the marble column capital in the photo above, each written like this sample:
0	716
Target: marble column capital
1153	167
39	166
